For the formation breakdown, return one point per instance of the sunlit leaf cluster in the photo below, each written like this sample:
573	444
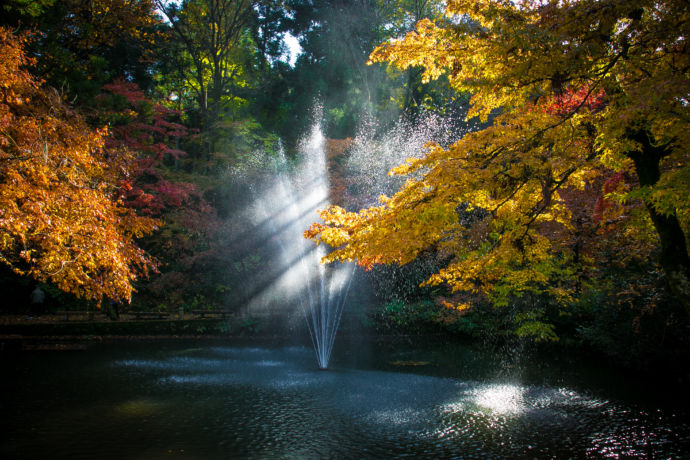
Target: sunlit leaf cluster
575	91
61	215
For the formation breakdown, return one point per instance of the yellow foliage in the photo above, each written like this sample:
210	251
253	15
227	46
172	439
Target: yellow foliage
566	83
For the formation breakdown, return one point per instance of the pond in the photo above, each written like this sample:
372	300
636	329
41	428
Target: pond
224	399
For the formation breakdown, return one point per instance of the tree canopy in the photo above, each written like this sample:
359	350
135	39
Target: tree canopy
577	91
62	217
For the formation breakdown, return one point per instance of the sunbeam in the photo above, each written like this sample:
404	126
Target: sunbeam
280	213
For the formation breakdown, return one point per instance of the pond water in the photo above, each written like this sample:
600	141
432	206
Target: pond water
211	400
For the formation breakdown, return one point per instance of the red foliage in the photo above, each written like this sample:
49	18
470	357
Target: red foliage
139	125
572	100
603	204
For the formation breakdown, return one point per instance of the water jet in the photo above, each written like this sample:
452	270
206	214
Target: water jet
290	205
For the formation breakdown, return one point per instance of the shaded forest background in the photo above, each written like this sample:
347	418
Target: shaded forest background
203	93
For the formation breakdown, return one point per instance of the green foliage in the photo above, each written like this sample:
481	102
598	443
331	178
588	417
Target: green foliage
337	38
29	8
531	325
80	45
250	325
401	317
419	317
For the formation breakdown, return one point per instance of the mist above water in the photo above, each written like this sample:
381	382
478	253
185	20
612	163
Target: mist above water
374	152
289	279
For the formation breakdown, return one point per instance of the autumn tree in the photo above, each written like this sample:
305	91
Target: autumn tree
62	219
158	186
150	130
402	15
576	89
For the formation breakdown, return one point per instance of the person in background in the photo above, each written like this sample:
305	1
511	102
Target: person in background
37	298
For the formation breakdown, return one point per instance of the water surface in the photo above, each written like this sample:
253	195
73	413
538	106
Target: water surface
216	400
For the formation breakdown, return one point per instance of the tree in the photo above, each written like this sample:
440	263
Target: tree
576	88
208	33
337	37
62	219
153	187
79	45
26	8
145	128
403	15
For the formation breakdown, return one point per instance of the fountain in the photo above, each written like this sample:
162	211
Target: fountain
289	206
285	206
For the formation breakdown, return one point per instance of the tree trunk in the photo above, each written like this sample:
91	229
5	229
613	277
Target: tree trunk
674	257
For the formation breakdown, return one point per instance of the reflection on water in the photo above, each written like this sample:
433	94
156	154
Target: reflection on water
141	407
501	399
227	402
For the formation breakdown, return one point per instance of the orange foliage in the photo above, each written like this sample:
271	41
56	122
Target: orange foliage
61	215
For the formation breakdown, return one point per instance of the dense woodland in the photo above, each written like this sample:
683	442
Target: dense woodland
132	132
